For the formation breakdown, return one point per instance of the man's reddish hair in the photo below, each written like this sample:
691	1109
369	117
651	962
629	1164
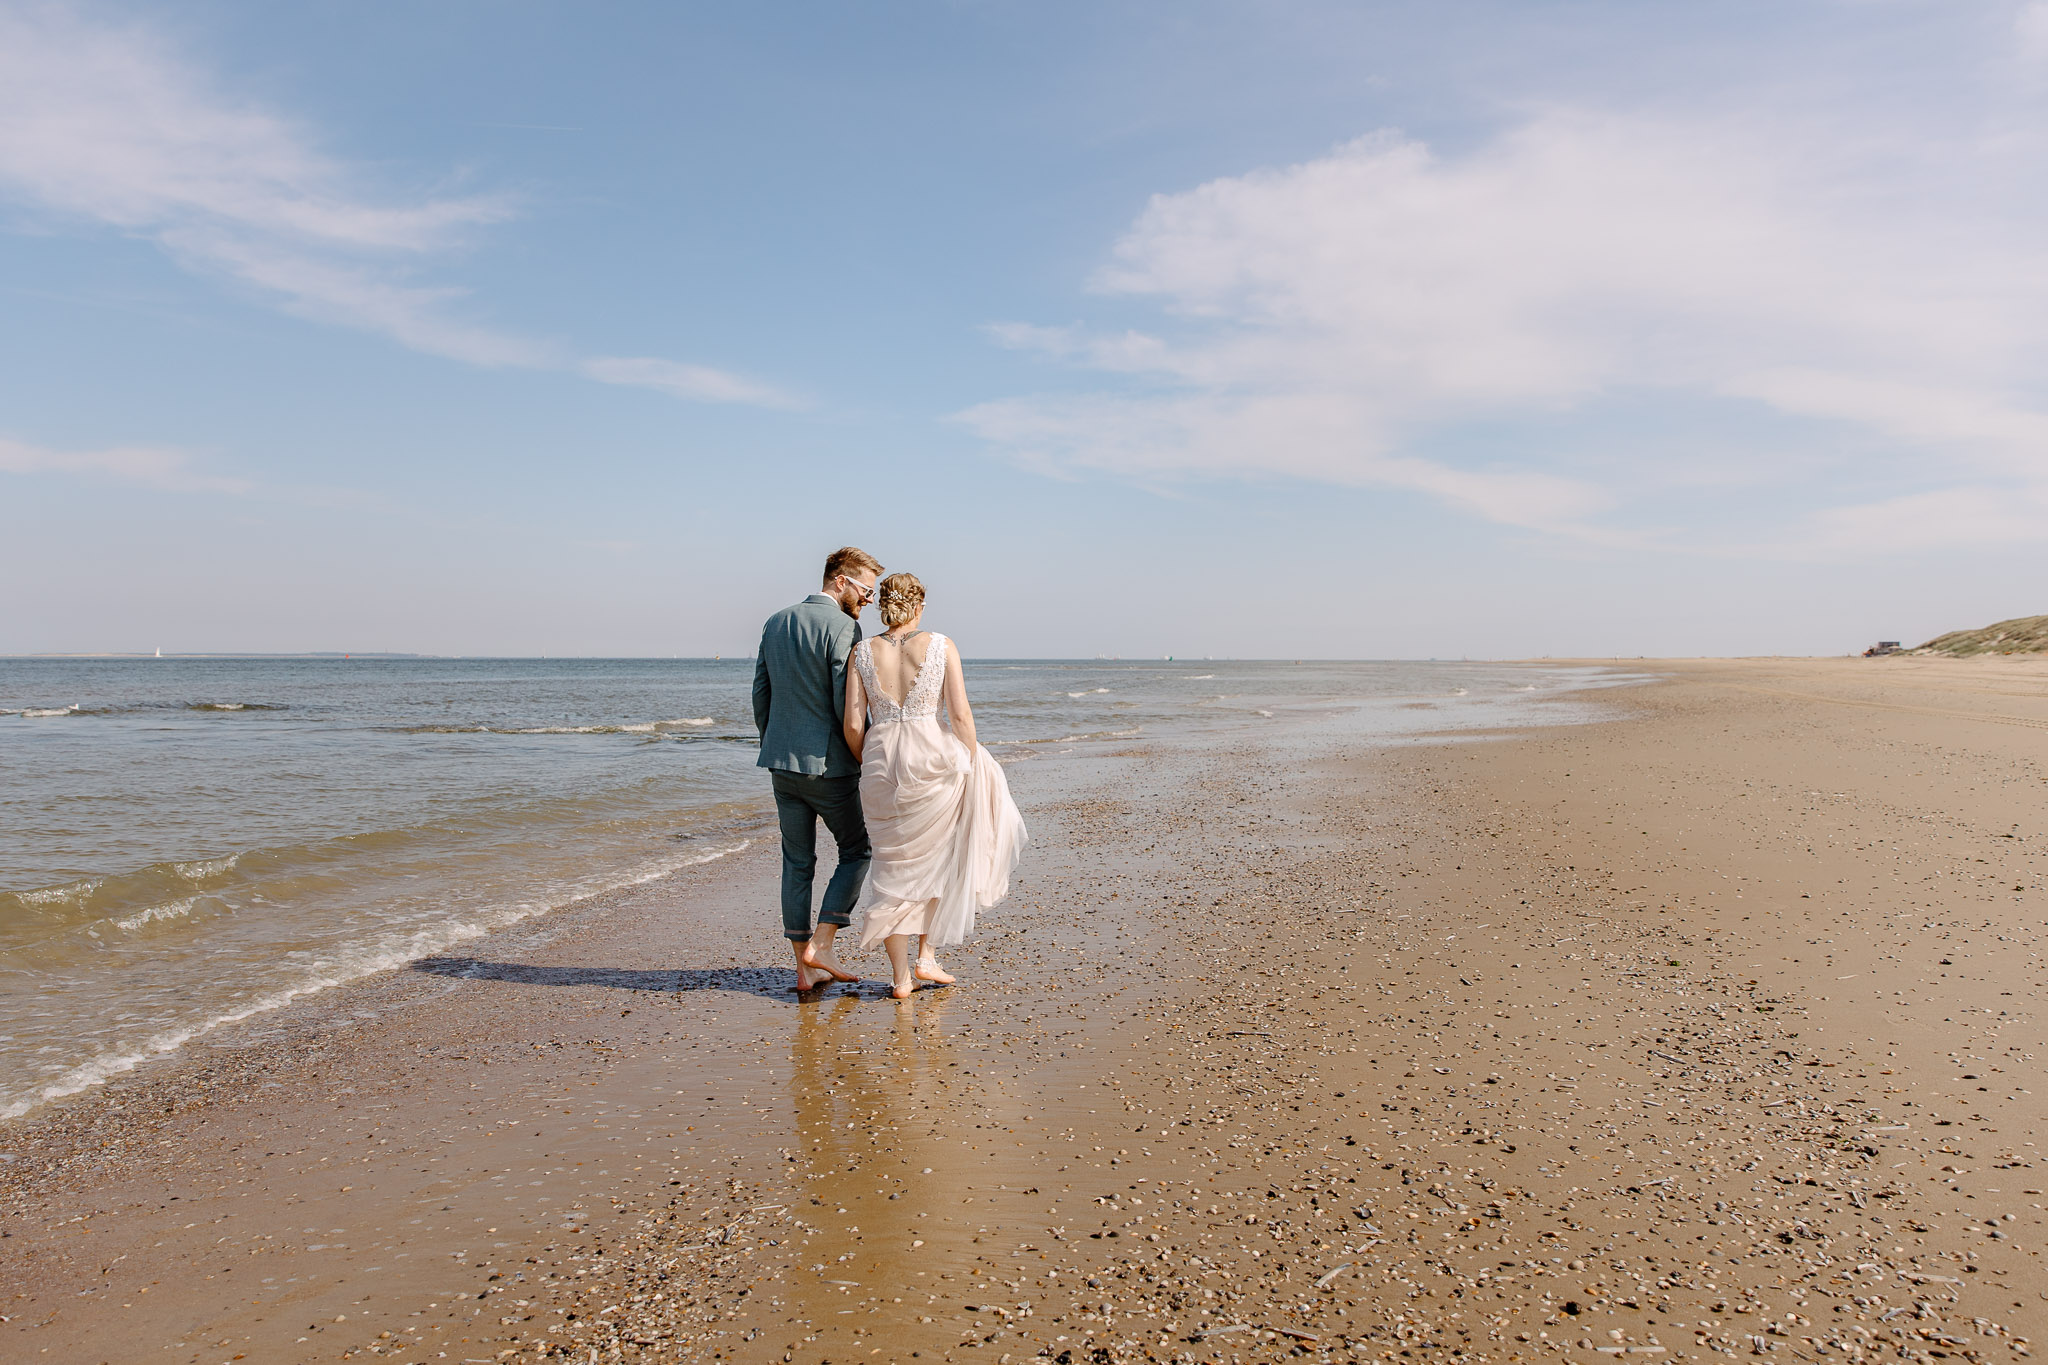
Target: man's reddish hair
849	559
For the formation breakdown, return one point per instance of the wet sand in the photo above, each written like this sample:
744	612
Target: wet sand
1710	1030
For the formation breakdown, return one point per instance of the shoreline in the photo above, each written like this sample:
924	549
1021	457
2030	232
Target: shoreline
1283	982
169	1047
320	964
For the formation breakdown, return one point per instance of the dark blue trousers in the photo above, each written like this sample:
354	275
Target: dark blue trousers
800	802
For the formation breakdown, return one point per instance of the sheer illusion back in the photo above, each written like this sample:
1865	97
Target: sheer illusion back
921	702
944	831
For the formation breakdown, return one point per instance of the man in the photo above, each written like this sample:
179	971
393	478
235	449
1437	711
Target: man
800	708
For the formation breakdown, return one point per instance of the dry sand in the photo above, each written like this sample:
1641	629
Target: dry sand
1708	1030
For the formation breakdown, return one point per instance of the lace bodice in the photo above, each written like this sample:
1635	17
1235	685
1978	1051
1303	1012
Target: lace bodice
922	701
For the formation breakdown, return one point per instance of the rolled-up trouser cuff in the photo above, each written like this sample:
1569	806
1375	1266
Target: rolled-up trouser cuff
825	918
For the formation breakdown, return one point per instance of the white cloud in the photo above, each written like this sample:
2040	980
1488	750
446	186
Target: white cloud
1317	320
109	125
153	466
1939	519
1982	429
685	381
1324	436
352	294
106	124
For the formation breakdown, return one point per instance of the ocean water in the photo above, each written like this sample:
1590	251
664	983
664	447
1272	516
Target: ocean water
189	842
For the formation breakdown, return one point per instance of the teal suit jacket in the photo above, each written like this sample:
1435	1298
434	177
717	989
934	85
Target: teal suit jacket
800	688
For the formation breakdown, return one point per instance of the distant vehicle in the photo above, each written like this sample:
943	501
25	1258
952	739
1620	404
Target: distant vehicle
1881	648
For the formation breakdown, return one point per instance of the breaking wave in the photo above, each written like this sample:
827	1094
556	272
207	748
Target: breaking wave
142	708
1096	734
71	893
652	727
174	910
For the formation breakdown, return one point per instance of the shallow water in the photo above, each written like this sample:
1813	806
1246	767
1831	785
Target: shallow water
186	842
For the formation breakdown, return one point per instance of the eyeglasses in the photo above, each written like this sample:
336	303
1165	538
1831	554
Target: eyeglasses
867	594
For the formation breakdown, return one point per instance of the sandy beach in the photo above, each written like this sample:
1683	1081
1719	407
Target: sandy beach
1709	1029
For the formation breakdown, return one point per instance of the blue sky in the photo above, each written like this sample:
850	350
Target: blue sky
1342	330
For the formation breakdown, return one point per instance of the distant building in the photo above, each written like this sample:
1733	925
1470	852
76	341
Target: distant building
1881	648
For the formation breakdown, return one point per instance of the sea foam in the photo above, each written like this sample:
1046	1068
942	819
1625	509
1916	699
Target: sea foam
71	893
641	728
174	910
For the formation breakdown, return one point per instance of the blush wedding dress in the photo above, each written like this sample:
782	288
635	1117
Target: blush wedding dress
944	831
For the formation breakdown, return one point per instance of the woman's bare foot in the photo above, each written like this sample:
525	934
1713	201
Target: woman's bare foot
928	969
903	983
824	966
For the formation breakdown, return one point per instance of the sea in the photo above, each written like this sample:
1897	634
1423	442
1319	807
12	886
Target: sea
189	842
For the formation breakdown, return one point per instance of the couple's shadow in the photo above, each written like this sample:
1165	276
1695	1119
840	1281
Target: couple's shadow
768	983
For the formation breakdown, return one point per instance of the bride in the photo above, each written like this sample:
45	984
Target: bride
945	832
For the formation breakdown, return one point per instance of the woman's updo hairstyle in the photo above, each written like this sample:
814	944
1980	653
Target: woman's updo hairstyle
902	599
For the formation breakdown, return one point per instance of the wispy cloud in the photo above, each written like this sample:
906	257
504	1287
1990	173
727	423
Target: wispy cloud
152	466
1943	518
109	124
354	294
700	382
1326	436
1327	320
106	124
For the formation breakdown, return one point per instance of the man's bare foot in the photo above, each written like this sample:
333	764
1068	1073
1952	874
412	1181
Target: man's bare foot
928	969
825	965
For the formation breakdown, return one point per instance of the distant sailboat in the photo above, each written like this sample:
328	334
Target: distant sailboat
159	651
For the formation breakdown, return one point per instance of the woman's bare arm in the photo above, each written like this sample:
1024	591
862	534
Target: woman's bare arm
855	726
955	691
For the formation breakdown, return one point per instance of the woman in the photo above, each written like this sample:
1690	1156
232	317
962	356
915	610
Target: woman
944	830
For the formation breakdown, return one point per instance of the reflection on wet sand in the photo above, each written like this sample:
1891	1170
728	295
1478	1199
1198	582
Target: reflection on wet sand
881	1188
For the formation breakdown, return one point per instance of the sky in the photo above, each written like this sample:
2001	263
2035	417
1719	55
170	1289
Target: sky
1281	329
